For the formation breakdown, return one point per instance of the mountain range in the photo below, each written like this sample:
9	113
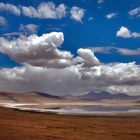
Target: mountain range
26	97
44	97
107	95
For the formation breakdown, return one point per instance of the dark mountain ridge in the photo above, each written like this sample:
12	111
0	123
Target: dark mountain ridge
107	95
26	97
43	97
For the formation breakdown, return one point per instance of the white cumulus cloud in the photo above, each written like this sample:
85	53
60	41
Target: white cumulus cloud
88	57
46	68
77	13
37	50
45	10
126	33
10	7
73	79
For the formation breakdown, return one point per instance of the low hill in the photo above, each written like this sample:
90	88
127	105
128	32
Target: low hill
26	97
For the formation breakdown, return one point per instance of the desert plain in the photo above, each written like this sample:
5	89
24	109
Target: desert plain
18	123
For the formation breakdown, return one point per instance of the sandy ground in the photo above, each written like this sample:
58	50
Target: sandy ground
18	125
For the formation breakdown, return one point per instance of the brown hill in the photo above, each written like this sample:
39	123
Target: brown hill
26	97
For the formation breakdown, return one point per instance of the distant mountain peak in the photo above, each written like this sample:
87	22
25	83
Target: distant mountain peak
106	95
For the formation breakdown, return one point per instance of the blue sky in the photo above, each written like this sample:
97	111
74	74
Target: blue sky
70	47
94	30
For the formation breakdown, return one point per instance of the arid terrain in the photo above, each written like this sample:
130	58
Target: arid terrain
18	125
32	125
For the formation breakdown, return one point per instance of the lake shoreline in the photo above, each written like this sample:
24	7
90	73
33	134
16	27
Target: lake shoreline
29	107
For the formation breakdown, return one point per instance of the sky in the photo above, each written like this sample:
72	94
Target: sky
70	47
